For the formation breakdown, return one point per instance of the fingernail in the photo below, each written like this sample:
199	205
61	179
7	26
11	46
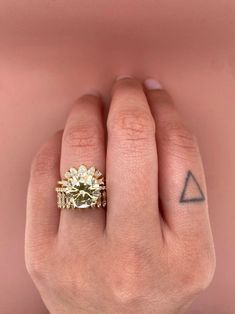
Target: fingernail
152	84
93	92
120	77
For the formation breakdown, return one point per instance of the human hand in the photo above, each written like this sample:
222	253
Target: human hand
152	250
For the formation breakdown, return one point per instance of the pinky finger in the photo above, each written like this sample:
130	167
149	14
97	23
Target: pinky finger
42	215
181	175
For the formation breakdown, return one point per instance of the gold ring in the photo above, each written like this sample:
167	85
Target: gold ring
81	188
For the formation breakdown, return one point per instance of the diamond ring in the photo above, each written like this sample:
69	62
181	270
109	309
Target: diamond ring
81	188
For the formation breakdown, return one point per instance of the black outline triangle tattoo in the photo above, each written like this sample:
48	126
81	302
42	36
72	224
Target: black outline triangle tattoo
201	196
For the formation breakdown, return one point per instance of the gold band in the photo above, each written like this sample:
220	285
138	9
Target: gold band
81	188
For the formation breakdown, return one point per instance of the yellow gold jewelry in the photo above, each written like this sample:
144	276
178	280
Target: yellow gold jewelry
81	188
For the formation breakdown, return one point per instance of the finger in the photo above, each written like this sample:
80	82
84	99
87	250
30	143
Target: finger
42	217
83	143
182	185
131	163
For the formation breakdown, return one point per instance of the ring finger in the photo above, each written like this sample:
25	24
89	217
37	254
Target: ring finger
83	143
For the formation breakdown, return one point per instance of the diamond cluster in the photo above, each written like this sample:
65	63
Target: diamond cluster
82	188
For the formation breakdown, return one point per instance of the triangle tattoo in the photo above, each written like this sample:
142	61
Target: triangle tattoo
191	191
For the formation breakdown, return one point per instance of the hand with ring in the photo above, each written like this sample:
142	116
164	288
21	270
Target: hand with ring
117	211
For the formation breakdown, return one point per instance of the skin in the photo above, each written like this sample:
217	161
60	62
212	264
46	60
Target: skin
151	250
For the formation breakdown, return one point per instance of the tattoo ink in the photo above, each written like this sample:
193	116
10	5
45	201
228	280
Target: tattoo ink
192	191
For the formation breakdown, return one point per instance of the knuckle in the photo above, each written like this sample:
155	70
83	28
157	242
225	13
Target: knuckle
205	271
36	269
124	287
133	132
197	274
132	125
132	276
39	261
70	280
126	293
176	135
83	136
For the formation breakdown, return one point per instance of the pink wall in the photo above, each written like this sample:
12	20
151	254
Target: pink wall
52	51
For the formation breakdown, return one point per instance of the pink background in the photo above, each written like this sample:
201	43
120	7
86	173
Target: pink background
53	51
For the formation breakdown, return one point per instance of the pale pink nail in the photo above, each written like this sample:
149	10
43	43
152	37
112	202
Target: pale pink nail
152	84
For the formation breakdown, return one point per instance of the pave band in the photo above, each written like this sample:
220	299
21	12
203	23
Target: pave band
81	188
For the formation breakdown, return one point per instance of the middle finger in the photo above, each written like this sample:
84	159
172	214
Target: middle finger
132	171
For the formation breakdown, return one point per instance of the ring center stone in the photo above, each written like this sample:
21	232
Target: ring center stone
83	186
